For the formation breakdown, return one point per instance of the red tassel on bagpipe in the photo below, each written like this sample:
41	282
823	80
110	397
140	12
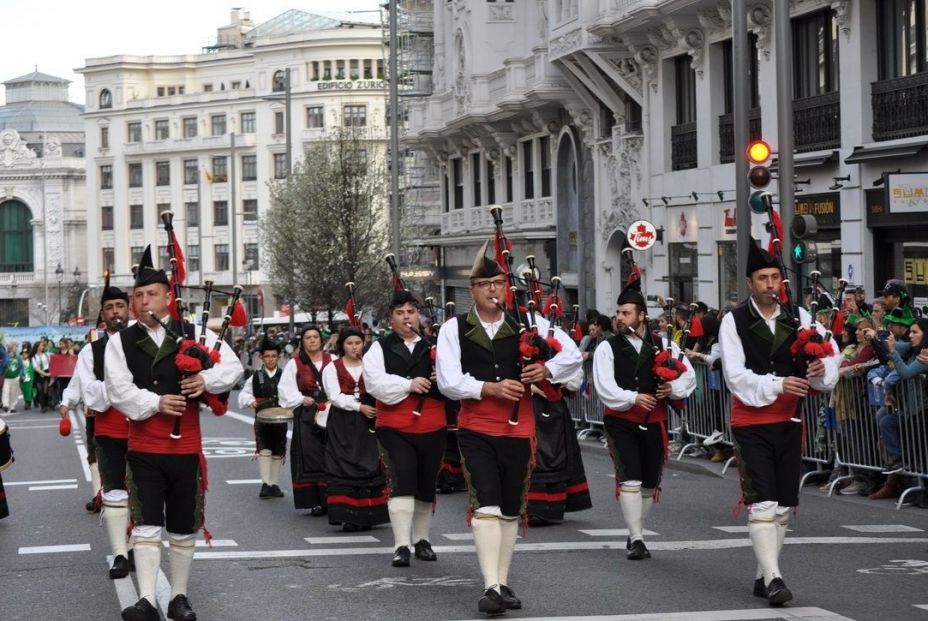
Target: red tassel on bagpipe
666	367
550	302
504	247
634	275
349	310
810	343
239	318
578	332
696	330
775	233
181	271
837	326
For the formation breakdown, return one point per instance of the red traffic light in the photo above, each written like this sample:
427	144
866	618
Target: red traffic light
759	152
759	176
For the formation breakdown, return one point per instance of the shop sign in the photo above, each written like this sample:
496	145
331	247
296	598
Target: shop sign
825	207
350	85
916	271
907	192
641	235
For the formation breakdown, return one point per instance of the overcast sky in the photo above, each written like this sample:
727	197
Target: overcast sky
57	35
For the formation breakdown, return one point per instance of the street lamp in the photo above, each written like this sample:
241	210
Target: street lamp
77	275
59	274
43	307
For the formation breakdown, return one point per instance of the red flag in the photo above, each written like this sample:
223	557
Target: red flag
179	268
239	316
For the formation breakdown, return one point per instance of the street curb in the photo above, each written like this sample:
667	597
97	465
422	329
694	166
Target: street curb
683	465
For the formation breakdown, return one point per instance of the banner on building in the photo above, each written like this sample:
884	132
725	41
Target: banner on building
907	192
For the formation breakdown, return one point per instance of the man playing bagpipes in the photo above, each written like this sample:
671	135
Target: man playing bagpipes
260	393
771	360
166	474
479	363
636	372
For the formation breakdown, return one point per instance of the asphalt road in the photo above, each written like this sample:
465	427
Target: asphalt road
846	558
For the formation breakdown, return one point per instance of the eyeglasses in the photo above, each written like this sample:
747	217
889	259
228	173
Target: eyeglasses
487	284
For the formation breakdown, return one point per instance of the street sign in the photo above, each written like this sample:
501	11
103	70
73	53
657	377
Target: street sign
641	235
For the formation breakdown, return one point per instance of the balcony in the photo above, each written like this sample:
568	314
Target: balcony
531	214
683	146
817	122
197	143
727	134
9	275
900	107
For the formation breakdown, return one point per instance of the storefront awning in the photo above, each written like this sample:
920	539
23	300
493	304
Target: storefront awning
810	160
885	152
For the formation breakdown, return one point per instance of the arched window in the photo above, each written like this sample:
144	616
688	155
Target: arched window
106	99
279	82
15	237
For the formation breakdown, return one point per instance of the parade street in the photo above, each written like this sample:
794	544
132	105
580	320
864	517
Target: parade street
846	558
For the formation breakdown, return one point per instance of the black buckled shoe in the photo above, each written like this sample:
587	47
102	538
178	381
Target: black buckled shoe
401	557
348	527
266	491
491	603
777	593
141	610
509	598
424	551
638	551
95	504
120	568
179	609
318	511
276	492
760	589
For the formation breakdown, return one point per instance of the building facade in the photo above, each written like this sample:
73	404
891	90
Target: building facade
43	242
582	117
203	135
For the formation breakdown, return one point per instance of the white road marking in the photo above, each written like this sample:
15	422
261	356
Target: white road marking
42	488
882	528
235	454
45	482
125	588
733	530
462	536
558	546
352	539
163	592
81	449
12	422
75	547
615	532
922	606
751	614
243	481
18	427
217	543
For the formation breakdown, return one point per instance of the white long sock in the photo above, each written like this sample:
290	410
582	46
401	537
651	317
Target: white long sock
264	466
181	556
117	521
487	540
147	564
764	541
274	471
632	509
401	509
95	478
509	532
647	503
421	521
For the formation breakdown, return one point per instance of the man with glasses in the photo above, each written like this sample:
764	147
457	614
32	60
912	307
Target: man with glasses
260	393
478	363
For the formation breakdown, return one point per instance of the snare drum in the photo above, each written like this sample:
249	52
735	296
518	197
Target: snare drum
274	415
6	452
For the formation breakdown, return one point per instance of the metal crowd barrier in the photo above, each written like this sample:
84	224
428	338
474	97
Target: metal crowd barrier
912	409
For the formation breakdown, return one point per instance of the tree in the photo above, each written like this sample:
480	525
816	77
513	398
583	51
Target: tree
327	224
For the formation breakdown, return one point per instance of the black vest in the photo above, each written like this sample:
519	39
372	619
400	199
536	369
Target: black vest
264	387
765	352
152	367
397	360
634	370
486	360
98	348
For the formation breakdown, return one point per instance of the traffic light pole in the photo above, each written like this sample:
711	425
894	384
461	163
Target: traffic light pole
784	60
740	105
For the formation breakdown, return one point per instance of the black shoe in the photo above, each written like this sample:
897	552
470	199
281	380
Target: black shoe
276	492
424	551
131	559
760	589
141	610
509	598
348	527
120	568
401	557
491	603
628	543
95	504
777	593
318	511
534	521
180	609
265	492
638	551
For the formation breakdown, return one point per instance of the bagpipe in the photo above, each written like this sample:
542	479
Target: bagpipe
193	356
351	306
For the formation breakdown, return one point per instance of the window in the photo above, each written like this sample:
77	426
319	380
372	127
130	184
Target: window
685	80
220	169
162	132
368	69
136	217
236	85
491	182
250	210
160	91
136	252
135	175
222	257
191	172
528	167
164	260
250	262
339	69
545	145
248	122
279	81
249	167
279	126
193	213
106	217
106	177
109	260
190	127
475	170
354	70
104	137
902	44
15	237
753	70
193	258
815	55
218	122
355	115
134	132
207	88
280	165
508	179
220	213
314	71
457	180
445	183
106	99
315	118
162	173
326	70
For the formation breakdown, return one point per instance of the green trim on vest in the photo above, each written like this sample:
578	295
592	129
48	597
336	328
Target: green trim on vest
479	336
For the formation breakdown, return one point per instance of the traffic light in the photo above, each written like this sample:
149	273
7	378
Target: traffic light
759	153
803	249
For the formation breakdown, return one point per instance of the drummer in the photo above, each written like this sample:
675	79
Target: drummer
260	394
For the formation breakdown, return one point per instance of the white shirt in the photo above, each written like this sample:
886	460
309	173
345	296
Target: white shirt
288	392
247	394
386	387
756	390
456	385
333	389
139	403
73	395
620	399
93	391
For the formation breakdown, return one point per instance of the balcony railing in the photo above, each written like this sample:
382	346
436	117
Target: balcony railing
727	133
530	214
683	146
817	122
900	107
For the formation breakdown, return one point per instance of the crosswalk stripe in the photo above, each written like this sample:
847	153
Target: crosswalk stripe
751	614
243	481
462	536
351	539
42	488
882	528
75	547
216	543
615	532
45	482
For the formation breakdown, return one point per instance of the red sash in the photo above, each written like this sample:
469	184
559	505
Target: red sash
780	411
112	424
490	416
400	416
638	414
152	435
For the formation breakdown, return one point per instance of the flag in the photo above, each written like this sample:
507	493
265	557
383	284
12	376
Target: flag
209	177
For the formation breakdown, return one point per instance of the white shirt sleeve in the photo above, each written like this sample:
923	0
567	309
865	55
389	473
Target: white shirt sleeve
452	381
288	394
614	397
383	386
333	391
827	382
136	403
565	364
684	385
72	395
750	388
223	376
93	391
247	394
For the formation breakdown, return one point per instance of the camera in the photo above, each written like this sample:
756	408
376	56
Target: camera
882	335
